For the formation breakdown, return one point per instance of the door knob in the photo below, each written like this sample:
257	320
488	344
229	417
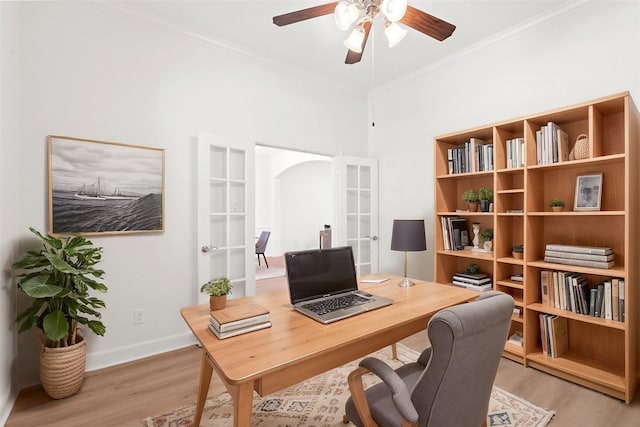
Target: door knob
206	249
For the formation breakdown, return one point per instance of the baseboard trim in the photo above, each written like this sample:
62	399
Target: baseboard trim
7	407
119	355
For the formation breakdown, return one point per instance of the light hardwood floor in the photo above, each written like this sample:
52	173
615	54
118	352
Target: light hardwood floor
125	394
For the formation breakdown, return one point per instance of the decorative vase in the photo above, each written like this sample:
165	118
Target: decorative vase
556	208
476	231
473	206
488	245
217	302
484	206
62	369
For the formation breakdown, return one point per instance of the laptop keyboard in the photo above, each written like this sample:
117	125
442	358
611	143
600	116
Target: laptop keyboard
333	304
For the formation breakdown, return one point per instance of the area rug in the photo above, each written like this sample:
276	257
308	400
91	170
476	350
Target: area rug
319	402
263	272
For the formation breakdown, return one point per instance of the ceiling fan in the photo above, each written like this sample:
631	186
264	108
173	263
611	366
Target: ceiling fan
363	13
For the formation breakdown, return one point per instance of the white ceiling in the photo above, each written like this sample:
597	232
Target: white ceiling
315	46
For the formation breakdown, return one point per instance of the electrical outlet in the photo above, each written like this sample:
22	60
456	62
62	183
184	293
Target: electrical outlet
138	316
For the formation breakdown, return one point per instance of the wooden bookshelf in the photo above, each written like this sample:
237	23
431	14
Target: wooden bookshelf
603	354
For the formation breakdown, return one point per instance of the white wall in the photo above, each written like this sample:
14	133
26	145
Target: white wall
9	195
588	52
93	72
304	201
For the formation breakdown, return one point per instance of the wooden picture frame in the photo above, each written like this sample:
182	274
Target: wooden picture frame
99	187
588	194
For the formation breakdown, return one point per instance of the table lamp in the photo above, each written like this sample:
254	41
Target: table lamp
408	235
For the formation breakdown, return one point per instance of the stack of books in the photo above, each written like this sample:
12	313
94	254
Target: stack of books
236	319
554	334
475	281
583	256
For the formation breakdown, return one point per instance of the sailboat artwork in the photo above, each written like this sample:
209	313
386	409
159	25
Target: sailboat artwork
104	187
97	191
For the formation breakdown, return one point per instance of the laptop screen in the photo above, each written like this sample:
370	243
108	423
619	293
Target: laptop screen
319	272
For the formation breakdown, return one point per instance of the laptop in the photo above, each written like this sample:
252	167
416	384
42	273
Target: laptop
323	285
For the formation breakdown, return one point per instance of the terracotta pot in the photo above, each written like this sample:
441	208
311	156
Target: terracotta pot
217	302
517	255
556	208
62	369
473	207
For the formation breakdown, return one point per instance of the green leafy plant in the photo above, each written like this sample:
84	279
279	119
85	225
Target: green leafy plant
217	287
470	196
473	268
485	235
59	278
485	194
556	202
518	248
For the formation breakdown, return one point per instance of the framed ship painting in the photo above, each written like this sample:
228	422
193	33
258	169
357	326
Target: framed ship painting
98	187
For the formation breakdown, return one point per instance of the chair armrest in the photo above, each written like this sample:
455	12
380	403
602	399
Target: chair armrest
399	392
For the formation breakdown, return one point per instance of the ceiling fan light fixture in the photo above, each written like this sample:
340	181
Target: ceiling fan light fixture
394	10
354	42
394	32
345	14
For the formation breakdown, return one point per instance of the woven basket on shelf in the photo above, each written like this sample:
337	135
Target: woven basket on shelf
62	369
580	149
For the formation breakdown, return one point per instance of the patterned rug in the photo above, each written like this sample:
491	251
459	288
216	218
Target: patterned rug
319	402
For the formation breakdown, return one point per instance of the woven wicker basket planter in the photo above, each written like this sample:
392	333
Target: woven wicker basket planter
62	369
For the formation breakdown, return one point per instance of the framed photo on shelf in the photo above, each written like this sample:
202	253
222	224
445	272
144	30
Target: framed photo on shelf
588	195
98	187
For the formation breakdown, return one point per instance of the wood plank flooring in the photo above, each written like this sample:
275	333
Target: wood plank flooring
123	395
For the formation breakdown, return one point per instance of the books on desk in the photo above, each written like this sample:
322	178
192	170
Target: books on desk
238	319
477	281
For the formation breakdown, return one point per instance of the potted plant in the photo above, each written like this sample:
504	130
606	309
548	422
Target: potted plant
485	195
217	289
556	204
472	199
517	251
486	237
59	278
473	269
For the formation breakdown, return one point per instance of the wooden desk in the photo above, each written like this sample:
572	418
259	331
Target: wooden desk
296	347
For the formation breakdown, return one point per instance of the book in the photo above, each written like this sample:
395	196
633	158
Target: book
543	333
615	299
563	146
599	297
560	335
475	276
592	301
485	287
517	277
234	316
240	331
580	262
476	282
516	339
544	286
459	233
607	299
575	255
593	250
621	300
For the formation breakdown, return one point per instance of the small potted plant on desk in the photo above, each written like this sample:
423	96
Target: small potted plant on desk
556	205
472	199
217	289
486	197
517	251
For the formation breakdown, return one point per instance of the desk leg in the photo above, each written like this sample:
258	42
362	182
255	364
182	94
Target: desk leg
203	388
242	403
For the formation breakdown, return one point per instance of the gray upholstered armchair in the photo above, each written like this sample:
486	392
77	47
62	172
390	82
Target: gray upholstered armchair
451	382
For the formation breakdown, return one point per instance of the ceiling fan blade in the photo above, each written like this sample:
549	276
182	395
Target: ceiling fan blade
304	14
427	24
354	57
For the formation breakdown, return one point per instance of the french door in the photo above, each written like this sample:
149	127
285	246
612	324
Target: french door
225	205
358	210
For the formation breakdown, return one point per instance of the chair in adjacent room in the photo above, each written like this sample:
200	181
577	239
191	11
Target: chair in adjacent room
261	246
450	384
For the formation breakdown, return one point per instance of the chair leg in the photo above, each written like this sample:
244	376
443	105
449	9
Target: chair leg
258	259
265	260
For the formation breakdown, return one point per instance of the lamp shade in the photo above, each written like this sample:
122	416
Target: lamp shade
408	235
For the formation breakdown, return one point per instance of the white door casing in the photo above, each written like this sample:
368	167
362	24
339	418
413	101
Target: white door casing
357	182
225	208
